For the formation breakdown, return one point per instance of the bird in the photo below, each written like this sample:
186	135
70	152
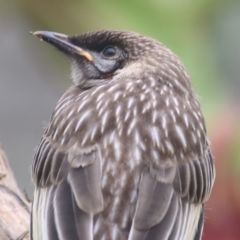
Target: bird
125	155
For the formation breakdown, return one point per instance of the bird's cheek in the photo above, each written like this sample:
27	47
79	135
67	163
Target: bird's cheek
80	73
106	66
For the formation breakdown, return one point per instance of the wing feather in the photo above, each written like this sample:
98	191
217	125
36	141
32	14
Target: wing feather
60	167
38	164
68	192
173	208
50	222
163	229
200	182
71	222
85	183
44	180
181	181
152	195
177	224
193	183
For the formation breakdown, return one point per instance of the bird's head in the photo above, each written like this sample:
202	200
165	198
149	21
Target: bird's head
103	56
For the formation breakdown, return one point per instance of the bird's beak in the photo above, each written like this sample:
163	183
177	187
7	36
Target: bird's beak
61	42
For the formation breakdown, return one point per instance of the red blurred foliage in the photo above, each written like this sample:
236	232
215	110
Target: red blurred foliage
222	211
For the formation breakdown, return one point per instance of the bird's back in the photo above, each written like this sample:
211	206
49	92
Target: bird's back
91	182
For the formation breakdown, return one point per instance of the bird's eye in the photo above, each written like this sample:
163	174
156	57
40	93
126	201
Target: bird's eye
109	52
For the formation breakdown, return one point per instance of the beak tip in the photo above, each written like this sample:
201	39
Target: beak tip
37	33
32	33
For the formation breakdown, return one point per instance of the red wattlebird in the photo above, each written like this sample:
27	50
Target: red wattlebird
125	155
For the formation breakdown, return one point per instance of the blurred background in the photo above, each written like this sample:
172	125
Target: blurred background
205	34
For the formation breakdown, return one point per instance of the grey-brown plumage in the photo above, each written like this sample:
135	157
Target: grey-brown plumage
125	155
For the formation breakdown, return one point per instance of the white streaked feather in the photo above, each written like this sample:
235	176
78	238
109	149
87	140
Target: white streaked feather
181	135
98	105
84	116
114	208
97	226
62	100
70	113
180	213
154	116
94	130
199	134
185	118
142	97
173	116
118	110
62	107
164	121
184	221
165	88
117	148
137	154
195	115
177	110
65	100
135	111
154	103
68	126
172	72
125	219
82	105
201	126
146	107
63	141
155	135
115	232
123	179
175	101
95	91
155	156
131	126
192	221
127	115
144	86
138	141
113	88
101	110
129	85
169	146
100	96
167	102
104	120
117	95
55	134
130	102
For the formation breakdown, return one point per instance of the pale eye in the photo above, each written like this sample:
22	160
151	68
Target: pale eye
109	52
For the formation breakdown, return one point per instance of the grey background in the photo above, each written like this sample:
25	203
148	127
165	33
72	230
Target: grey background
27	92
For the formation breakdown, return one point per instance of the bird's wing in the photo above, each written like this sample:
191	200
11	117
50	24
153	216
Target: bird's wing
68	192
170	201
